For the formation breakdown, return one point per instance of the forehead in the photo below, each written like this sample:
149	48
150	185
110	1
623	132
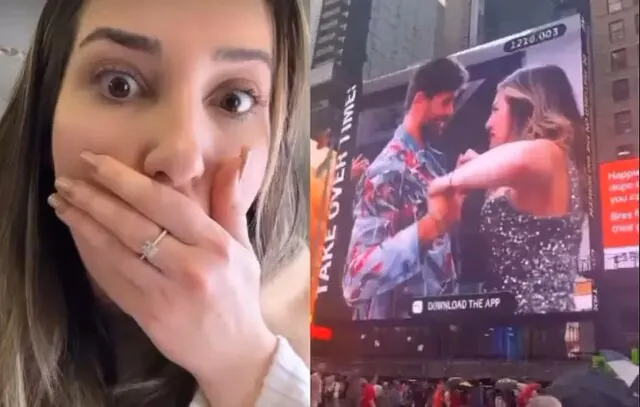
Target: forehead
185	25
445	96
500	97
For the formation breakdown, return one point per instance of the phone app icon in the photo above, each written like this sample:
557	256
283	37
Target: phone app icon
416	307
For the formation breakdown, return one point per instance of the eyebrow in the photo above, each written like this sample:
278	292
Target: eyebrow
123	38
235	54
148	45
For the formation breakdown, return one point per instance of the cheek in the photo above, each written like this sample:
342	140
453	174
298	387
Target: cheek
497	124
254	136
77	129
254	174
490	124
505	125
67	142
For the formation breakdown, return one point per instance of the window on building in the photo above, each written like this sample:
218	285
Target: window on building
616	31
626	151
614	5
622	122
619	60
620	90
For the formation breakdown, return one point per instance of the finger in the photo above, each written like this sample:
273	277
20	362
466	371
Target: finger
160	203
470	154
130	227
227	208
465	160
121	275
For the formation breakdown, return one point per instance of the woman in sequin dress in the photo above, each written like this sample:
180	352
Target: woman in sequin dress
533	214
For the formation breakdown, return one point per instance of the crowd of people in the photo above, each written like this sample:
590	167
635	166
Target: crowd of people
352	391
590	388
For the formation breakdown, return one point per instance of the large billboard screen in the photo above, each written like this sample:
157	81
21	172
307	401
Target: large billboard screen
619	206
464	185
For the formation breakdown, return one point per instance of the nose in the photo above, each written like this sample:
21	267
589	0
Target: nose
177	155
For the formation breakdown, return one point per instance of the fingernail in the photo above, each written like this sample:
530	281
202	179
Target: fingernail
56	202
63	184
89	158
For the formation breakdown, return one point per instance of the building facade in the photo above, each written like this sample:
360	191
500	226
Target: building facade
506	17
404	33
615	72
400	34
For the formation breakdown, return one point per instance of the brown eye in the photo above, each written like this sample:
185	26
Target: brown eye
238	102
119	86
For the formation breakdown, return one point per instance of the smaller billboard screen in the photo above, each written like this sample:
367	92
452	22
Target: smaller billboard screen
619	206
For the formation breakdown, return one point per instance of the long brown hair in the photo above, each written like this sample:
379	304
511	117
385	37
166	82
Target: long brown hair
542	104
54	342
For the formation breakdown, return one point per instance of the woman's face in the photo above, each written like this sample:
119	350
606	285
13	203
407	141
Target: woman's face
171	89
499	125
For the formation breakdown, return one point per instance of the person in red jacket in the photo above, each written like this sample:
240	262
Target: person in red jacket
454	398
527	393
438	396
368	397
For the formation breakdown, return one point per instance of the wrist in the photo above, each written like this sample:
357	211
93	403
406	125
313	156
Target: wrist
239	382
451	181
430	227
439	224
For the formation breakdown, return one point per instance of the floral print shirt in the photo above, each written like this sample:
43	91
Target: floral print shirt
386	264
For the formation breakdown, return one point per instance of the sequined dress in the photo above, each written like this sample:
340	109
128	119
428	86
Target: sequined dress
535	258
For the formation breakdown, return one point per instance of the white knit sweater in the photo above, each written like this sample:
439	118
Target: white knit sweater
286	384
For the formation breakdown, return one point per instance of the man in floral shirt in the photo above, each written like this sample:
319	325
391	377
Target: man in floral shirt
399	246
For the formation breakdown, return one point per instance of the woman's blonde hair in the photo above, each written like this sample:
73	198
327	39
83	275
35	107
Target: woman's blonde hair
542	105
54	342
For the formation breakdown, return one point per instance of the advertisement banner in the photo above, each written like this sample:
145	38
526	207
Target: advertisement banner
340	52
321	177
619	206
463	186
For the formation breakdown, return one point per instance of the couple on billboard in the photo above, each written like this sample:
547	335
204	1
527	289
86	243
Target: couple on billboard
407	204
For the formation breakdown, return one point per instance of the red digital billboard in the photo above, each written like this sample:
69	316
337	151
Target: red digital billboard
619	207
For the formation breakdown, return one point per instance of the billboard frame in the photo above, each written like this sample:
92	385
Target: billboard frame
399	79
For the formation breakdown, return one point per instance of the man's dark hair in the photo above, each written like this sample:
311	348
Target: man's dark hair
434	77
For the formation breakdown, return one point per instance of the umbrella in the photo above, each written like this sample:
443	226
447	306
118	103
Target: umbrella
455	383
506	385
623	367
591	389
